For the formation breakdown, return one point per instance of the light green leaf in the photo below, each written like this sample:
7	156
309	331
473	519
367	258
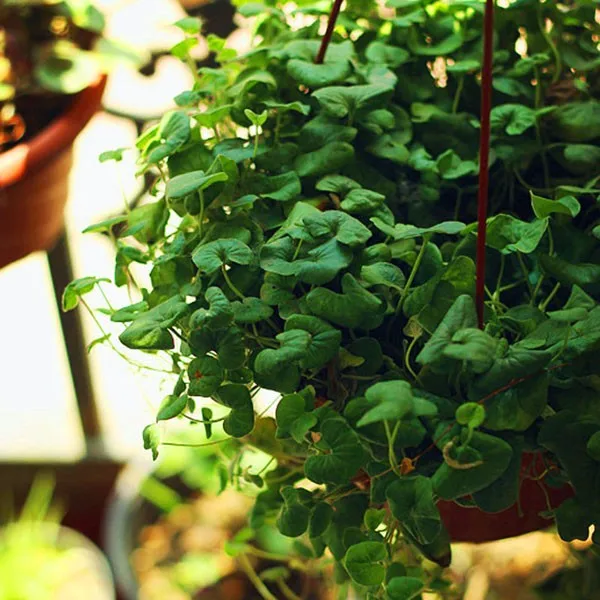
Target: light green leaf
391	147
282	188
328	159
470	414
299	107
256	119
346	455
361	201
391	401
383	273
206	375
406	232
342	101
495	455
240	421
77	288
411	502
293	519
218	315
461	315
363	562
337	184
544	207
385	54
171	407
195	181
513	119
294	344
475	348
355	307
430	48
212	256
404	588
508	234
339	225
451	166
323	263
173	132
324	342
189	25
251	310
151	437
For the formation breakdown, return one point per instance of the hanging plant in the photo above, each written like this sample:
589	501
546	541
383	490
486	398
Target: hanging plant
313	233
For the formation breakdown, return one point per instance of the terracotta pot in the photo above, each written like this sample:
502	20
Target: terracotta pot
34	180
474	525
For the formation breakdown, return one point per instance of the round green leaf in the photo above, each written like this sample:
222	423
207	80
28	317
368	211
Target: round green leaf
206	375
363	563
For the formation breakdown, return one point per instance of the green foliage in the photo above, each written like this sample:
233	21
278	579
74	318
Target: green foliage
328	254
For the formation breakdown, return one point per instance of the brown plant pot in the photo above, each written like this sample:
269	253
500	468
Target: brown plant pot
466	524
34	180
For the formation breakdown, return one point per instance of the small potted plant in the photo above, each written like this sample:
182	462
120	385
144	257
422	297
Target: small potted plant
39	558
51	63
313	235
173	530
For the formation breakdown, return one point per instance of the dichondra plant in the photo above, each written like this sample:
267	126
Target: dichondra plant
312	233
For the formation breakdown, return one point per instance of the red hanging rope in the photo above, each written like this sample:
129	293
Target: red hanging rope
335	11
484	155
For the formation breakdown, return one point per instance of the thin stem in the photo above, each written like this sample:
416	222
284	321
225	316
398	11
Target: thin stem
231	284
191	63
203	422
407	358
274	557
544	305
201	214
257	582
484	155
457	94
113	347
182	445
413	273
391	437
525	273
335	11
286	590
546	35
537	288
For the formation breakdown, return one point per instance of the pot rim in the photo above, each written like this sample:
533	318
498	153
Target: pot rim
29	156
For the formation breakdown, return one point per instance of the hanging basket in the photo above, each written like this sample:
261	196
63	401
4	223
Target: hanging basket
536	498
34	179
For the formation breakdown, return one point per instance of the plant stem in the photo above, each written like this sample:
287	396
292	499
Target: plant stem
546	35
286	590
201	214
189	418
181	444
525	273
550	297
191	63
257	582
113	347
457	94
413	273
391	437
407	358
231	284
